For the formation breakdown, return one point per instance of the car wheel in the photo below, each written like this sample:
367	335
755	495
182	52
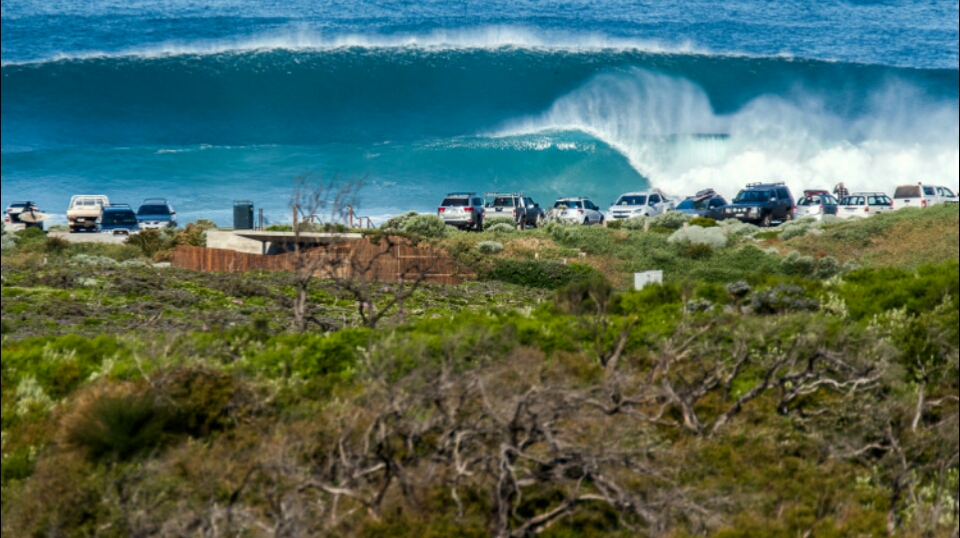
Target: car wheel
601	220
767	220
539	222
791	215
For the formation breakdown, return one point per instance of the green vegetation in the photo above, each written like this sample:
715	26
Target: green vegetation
753	394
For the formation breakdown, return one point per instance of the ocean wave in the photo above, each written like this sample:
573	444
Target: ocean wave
304	39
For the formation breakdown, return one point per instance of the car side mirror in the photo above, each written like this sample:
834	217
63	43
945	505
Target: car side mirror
536	206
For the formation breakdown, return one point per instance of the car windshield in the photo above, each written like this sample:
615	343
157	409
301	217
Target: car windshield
632	200
811	200
753	196
910	191
569	204
153	210
120	218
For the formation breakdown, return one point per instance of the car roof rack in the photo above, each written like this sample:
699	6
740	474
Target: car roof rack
495	194
461	194
155	201
777	184
118	206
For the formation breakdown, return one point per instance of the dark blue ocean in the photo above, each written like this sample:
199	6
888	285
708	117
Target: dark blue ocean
209	102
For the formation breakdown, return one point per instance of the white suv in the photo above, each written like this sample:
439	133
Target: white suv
641	204
864	204
576	211
921	196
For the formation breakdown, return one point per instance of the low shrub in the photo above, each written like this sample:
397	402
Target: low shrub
114	425
634	223
782	299
399	222
502	228
696	251
671	219
538	274
150	242
714	237
590	295
615	224
93	261
496	221
490	247
7	243
703	222
55	245
427	226
30	237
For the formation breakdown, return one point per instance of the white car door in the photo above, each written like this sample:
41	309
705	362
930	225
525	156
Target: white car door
656	207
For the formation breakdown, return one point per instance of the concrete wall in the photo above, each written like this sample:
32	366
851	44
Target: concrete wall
232	241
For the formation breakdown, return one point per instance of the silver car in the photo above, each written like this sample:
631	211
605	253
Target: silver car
576	211
463	210
864	204
641	204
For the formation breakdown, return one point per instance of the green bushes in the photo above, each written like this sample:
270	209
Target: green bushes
502	228
703	222
490	247
413	223
538	274
870	292
713	237
116	427
496	221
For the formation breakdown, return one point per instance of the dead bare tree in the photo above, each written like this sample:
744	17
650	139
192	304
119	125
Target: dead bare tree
317	205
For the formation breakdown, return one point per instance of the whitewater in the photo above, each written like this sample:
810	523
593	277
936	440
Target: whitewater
207	104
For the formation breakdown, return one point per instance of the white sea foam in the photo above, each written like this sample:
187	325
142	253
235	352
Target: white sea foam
658	123
304	38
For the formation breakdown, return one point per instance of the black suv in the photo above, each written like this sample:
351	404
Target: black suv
519	207
463	210
762	203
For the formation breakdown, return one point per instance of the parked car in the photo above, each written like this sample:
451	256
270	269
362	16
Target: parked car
706	204
641	204
521	208
864	204
22	215
156	214
576	211
119	219
816	204
85	211
947	196
762	203
463	210
918	195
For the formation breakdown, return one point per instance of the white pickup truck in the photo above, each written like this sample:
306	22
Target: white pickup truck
85	211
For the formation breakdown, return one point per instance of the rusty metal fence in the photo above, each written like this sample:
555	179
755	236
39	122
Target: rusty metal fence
383	261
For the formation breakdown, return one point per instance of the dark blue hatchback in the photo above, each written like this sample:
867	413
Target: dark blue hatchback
119	219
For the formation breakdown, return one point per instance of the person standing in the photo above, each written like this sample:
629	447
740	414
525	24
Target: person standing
840	191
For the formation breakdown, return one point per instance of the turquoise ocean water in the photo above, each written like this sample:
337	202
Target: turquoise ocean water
208	102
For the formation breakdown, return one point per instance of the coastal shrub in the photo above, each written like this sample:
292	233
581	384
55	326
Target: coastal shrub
150	242
615	224
502	228
490	247
797	265
703	222
496	221
671	219
799	228
399	222
713	237
737	227
93	261
110	425
634	223
30	238
193	235
586	296
782	299
828	267
55	245
8	243
696	251
538	274
428	226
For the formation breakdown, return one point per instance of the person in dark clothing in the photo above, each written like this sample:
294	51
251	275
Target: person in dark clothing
840	191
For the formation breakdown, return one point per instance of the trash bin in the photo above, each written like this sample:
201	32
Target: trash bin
243	215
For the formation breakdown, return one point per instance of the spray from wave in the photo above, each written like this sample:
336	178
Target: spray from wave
669	131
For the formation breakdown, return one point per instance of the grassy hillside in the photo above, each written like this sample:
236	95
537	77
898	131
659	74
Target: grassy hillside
767	389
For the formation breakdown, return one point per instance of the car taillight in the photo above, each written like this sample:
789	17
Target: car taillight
71	219
441	210
923	203
468	209
867	209
580	211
